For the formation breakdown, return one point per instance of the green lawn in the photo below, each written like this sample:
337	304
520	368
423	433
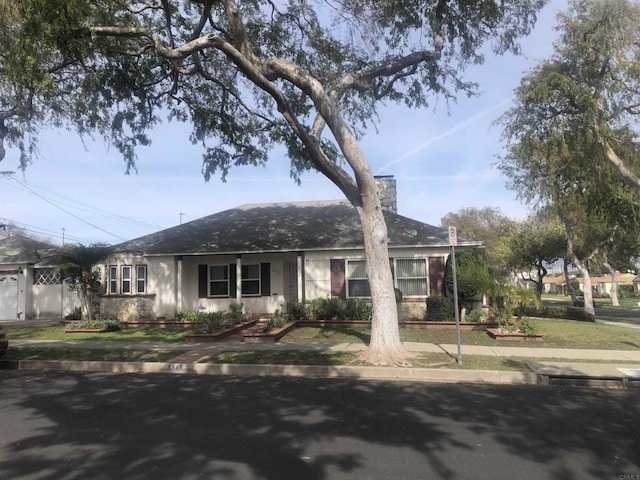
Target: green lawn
557	334
137	334
88	354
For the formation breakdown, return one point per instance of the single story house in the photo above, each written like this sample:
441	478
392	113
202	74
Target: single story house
30	288
265	255
601	284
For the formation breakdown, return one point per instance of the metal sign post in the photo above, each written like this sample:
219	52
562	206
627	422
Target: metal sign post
453	241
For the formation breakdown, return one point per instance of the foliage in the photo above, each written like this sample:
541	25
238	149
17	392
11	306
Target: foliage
474	277
75	314
571	135
521	298
108	325
487	224
474	316
440	309
249	76
211	322
77	263
626	291
532	245
527	326
569	313
330	309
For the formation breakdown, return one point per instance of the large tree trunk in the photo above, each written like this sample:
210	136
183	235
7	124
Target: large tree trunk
586	285
385	346
615	302
571	291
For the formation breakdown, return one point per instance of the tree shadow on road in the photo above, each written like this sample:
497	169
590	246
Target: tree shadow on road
161	426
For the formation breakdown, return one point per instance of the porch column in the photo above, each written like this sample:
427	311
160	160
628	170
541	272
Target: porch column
300	272
239	278
178	285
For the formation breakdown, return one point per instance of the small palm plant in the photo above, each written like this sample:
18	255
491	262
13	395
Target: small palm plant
77	265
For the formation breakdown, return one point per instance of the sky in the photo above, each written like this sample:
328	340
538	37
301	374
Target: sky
443	159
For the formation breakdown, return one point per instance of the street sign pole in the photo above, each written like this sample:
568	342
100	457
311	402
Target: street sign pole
453	241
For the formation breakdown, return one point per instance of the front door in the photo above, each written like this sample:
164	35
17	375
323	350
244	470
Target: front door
292	282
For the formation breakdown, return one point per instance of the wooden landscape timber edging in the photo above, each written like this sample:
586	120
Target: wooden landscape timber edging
498	334
270	336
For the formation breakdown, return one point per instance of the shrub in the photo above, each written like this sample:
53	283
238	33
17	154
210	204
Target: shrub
108	325
299	310
473	316
210	322
189	316
357	309
625	291
330	309
569	313
527	327
75	314
439	308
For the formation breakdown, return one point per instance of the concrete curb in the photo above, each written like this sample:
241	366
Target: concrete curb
310	371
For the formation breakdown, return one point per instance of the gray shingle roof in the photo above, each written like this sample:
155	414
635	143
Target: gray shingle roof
278	227
20	249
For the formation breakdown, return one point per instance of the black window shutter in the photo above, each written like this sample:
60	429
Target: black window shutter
265	279
203	278
338	285
233	291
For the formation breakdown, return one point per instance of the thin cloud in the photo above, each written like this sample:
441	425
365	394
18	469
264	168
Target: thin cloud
451	131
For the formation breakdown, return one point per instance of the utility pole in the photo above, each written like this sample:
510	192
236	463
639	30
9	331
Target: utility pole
181	215
63	236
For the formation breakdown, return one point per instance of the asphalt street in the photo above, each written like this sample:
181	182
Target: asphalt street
136	426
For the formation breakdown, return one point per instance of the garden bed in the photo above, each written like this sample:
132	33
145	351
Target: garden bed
160	323
221	335
498	334
271	336
85	330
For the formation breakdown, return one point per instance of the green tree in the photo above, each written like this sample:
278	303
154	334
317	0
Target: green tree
76	263
305	74
556	154
532	245
473	276
487	224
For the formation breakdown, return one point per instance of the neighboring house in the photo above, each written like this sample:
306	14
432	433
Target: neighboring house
29	286
266	255
600	284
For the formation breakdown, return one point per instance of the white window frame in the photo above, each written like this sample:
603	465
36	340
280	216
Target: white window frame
126	279
113	279
350	278
141	268
398	279
221	281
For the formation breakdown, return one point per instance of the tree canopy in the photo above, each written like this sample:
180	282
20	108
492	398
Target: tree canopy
487	224
306	74
572	111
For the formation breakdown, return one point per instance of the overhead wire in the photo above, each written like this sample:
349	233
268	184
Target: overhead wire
52	203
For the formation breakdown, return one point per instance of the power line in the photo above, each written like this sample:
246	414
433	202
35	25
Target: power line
67	211
76	205
43	231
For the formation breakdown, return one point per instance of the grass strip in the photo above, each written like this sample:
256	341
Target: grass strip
88	354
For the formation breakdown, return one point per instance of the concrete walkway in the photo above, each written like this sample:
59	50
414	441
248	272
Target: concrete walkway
556	367
451	349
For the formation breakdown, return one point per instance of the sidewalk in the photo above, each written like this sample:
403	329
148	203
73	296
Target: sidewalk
188	355
451	349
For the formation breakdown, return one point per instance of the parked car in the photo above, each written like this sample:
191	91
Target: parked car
579	302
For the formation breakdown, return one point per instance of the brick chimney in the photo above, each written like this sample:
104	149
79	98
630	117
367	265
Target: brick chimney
388	193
